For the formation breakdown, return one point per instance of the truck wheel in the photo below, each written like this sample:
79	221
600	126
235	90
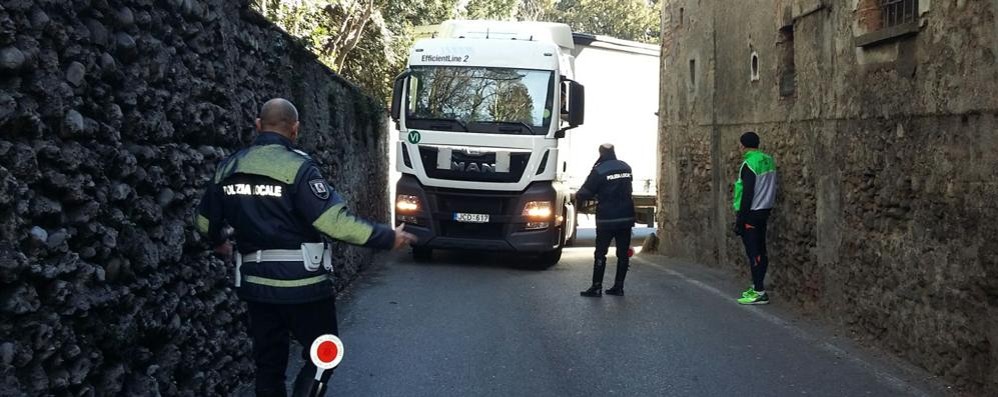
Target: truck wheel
549	259
575	231
422	254
649	217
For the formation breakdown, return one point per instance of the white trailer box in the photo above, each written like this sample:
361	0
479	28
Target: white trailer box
621	80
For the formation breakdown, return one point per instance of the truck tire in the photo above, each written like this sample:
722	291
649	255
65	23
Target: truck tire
575	231
551	258
548	259
649	217
422	254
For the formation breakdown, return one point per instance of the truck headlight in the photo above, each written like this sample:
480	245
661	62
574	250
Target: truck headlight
406	203
537	210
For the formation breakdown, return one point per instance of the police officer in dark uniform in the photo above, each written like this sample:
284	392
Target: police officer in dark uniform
610	184
282	211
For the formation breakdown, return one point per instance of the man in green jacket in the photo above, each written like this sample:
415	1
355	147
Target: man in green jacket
755	193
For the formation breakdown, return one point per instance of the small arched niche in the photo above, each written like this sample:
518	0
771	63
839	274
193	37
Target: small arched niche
754	66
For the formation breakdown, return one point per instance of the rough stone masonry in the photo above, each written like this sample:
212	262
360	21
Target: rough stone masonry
113	114
885	139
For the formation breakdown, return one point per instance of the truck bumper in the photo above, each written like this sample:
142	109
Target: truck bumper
434	225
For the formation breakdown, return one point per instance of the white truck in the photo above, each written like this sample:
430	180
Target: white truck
483	113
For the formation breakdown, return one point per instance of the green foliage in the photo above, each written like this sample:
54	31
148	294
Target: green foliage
625	19
367	41
417	12
491	9
536	10
387	60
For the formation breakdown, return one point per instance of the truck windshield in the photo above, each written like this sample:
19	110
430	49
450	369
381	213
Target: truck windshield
477	99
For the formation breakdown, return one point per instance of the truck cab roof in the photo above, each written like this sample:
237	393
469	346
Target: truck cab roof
492	53
546	32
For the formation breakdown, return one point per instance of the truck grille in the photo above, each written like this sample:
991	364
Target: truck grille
494	203
494	206
517	165
489	231
500	206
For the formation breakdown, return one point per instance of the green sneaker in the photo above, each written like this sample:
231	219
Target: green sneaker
755	298
748	292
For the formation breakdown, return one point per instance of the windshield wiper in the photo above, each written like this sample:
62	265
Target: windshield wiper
440	123
505	126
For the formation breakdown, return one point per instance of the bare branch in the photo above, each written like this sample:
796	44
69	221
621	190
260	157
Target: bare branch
356	34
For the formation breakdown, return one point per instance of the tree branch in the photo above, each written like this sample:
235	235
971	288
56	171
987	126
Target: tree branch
355	35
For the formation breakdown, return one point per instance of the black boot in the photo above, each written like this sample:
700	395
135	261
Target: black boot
618	280
596	290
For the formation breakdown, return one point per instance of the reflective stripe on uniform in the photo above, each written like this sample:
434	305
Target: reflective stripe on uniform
270	282
340	225
272	161
203	224
225	169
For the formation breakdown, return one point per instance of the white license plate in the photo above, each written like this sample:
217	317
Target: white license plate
471	218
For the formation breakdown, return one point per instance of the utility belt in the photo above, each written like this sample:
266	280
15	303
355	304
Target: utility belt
312	256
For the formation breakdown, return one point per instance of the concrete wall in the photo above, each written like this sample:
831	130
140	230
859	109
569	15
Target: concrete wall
113	114
887	158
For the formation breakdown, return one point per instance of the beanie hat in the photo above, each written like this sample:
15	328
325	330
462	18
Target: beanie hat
750	140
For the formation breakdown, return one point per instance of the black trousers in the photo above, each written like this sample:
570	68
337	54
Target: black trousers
754	239
270	326
622	237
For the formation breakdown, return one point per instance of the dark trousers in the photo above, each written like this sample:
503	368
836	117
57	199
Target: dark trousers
754	239
270	326
603	239
622	239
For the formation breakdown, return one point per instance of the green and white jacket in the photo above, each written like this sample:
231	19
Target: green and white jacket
755	189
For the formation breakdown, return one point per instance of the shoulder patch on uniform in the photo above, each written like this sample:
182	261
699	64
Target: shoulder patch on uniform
319	188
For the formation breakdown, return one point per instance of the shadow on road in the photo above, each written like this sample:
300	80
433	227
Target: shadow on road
504	260
511	260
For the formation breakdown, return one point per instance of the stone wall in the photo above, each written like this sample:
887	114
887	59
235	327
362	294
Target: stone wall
113	114
887	157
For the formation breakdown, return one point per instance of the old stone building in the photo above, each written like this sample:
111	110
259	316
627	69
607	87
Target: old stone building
881	115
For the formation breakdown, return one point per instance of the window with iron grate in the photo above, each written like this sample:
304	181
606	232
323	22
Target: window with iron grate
897	12
884	21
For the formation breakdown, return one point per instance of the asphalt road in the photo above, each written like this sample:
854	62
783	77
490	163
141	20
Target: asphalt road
482	325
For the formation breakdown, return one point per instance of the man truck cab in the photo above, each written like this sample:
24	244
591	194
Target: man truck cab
482	110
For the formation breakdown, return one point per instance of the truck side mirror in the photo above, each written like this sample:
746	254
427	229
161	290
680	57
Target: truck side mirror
576	104
397	88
